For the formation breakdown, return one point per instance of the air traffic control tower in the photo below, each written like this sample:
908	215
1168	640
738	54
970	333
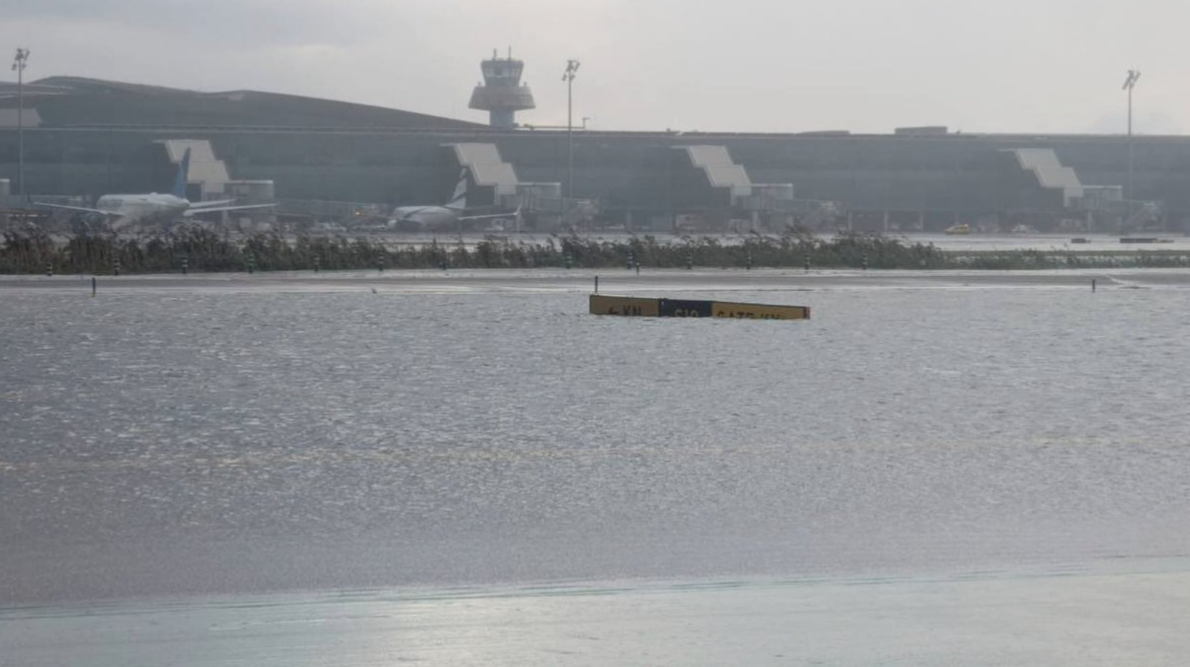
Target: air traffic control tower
501	93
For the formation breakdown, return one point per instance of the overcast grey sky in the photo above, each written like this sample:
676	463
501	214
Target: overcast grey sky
745	65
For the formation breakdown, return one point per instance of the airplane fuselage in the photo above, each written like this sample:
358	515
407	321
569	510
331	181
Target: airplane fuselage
140	207
426	217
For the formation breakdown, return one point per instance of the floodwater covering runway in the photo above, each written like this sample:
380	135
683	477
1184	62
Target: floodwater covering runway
939	468
1053	618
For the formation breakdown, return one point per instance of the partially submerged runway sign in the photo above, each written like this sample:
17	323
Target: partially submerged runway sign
631	306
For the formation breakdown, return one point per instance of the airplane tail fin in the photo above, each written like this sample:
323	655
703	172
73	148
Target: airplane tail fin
183	175
458	200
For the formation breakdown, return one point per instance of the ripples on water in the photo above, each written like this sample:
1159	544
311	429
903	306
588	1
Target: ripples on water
165	442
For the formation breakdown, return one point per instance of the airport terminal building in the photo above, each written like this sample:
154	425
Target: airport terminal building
84	138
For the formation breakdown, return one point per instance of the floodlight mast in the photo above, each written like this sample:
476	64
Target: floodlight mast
1129	84
568	76
18	66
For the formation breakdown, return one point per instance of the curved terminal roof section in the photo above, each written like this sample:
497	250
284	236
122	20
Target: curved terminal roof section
68	101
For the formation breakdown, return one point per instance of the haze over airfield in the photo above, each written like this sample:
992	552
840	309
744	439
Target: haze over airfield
1045	66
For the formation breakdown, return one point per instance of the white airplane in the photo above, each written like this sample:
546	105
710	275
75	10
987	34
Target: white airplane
443	218
153	207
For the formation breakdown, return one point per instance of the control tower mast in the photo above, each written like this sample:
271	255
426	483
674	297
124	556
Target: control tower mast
502	94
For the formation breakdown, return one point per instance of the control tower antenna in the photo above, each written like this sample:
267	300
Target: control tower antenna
502	94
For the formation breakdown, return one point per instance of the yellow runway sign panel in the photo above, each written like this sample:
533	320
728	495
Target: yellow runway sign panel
631	306
756	311
624	305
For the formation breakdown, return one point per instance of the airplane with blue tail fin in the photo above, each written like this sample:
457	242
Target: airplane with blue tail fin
126	209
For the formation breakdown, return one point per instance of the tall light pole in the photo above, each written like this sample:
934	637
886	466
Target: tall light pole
568	77
18	65
1129	84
